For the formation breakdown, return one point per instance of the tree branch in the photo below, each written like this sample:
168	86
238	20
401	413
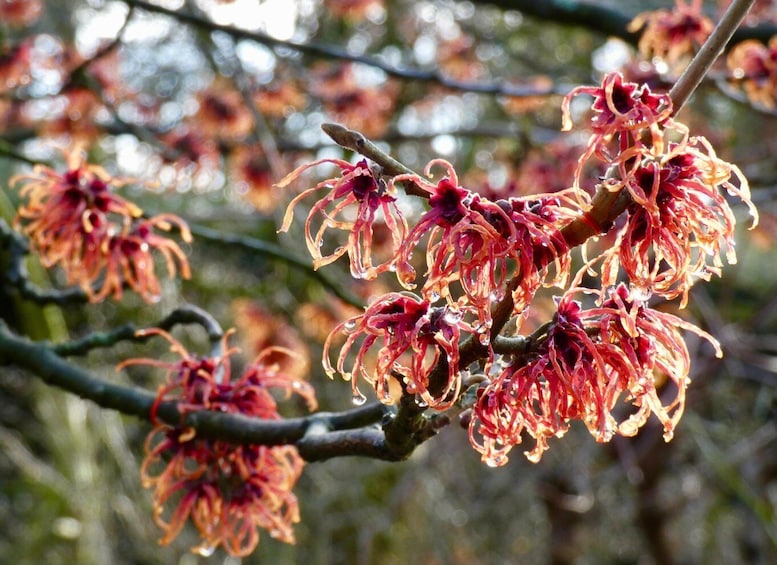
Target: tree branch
323	51
336	434
188	314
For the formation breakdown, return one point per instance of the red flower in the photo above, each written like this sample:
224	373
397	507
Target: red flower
480	244
458	222
539	245
588	361
129	261
621	112
359	187
228	491
74	220
678	220
401	325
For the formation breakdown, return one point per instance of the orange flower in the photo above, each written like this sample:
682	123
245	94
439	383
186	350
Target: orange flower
75	220
227	491
262	330
253	176
672	35
189	147
363	108
278	99
753	67
223	114
457	59
127	259
15	66
78	120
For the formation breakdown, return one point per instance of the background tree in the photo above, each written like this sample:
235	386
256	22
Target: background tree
164	137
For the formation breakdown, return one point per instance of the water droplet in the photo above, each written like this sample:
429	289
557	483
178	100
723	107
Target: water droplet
349	326
452	316
420	402
496	460
392	267
496	295
641	294
205	551
358	399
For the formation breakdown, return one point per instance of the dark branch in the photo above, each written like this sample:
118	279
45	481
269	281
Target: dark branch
323	51
188	314
336	434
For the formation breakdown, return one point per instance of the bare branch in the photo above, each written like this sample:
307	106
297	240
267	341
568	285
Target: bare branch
352	439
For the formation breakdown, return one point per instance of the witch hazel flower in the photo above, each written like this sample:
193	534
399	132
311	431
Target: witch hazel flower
653	341
472	245
229	492
679	225
76	221
409	337
590	363
127	259
539	245
354	202
621	112
753	68
672	36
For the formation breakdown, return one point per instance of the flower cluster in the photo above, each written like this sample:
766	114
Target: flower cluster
672	36
676	228
486	258
677	219
753	68
474	247
76	221
227	491
587	362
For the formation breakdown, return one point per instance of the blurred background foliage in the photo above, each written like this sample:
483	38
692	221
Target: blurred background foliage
69	486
